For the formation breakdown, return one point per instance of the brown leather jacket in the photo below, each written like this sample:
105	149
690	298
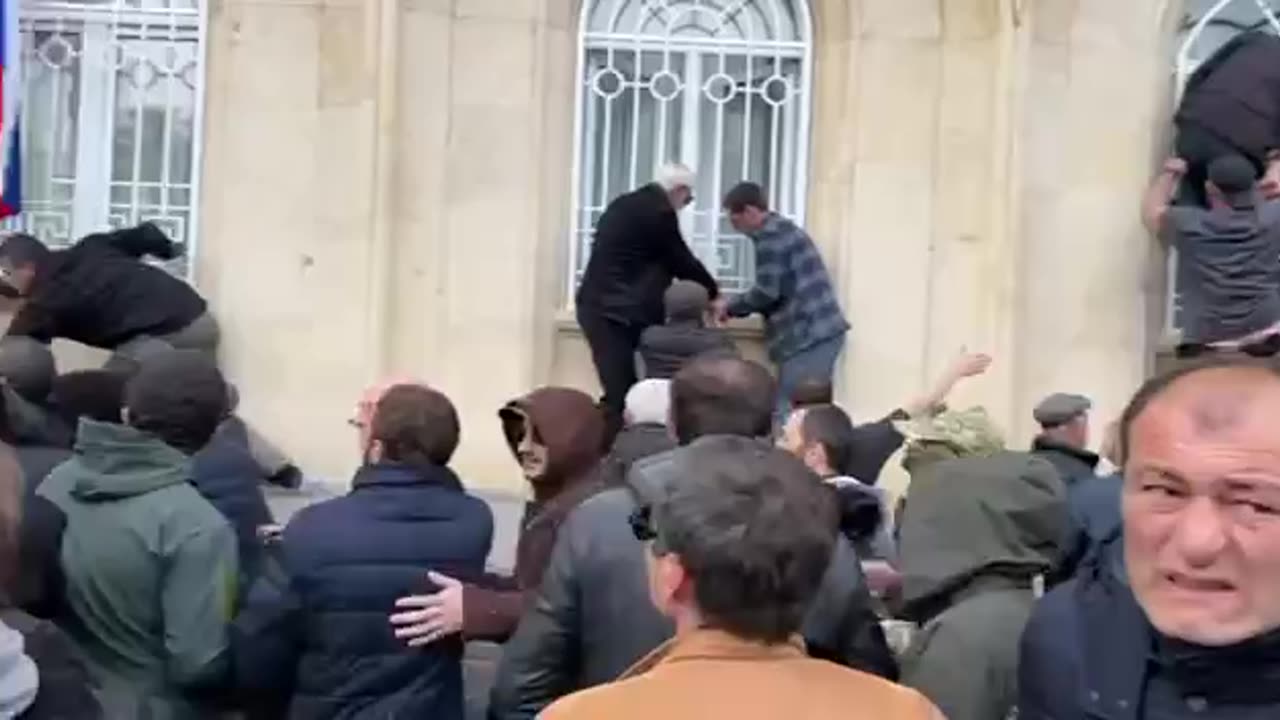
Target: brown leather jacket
708	673
570	425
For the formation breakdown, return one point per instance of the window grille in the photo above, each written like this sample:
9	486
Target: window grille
720	85
111	117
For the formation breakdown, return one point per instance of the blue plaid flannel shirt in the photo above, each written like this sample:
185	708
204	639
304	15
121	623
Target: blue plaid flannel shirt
793	291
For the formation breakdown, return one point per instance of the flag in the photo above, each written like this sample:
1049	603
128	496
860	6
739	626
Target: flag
10	103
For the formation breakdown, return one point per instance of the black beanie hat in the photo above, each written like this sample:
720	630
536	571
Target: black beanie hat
180	397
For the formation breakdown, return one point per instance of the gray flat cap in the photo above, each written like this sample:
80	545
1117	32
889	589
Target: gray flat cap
1060	409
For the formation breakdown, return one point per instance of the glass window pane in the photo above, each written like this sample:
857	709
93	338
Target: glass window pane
49	132
153	131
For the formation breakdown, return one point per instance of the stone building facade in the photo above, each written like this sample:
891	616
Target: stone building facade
390	186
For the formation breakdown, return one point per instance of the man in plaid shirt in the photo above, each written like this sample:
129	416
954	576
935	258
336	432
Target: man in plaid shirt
804	326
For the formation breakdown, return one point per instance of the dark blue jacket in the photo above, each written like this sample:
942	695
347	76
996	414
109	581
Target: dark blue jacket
318	624
1096	525
1089	653
226	475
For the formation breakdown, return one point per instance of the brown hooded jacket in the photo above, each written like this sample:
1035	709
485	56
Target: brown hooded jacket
571	427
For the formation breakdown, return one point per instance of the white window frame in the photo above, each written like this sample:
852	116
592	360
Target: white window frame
1190	55
791	161
104	27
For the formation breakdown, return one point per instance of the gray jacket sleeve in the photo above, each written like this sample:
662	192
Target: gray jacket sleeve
540	662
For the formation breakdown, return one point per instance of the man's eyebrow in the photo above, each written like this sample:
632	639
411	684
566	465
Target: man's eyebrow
1164	471
1261	481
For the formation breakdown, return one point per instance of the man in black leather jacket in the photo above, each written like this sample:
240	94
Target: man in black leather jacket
592	617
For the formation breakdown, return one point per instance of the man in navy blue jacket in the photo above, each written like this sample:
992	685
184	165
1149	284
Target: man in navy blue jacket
316	626
1196	631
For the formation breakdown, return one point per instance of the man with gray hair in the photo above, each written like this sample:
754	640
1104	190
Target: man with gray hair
637	251
646	432
664	349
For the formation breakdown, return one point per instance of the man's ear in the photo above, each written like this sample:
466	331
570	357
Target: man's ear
677	579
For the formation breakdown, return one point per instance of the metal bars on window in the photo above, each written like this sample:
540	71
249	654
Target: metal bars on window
111	116
720	85
1208	26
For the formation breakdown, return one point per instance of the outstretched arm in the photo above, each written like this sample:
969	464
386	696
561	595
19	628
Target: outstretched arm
965	366
139	242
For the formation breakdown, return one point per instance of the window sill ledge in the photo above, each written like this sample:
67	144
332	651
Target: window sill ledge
751	328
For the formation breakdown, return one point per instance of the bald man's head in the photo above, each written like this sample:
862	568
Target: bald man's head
722	396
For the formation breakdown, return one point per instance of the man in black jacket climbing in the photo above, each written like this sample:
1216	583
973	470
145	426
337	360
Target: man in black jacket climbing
1231	106
99	292
638	250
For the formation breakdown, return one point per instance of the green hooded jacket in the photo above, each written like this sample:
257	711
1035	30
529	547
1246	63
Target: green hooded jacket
975	535
150	571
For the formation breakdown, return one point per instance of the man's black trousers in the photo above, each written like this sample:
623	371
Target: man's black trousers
613	349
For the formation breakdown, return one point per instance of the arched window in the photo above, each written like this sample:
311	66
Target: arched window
111	115
720	85
1207	26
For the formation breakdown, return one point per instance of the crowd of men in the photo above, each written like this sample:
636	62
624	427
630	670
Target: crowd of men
710	539
705	562
703	559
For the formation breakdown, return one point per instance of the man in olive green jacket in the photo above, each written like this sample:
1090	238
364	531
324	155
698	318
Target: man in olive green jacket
150	565
981	529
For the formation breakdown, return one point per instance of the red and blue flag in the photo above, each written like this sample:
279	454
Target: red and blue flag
10	104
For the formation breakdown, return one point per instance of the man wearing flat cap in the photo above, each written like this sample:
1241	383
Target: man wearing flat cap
1228	255
1064	442
1064	436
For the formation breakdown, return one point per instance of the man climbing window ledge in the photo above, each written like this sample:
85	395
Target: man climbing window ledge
1230	256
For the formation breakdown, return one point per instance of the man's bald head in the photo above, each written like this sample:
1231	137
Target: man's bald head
722	396
1212	412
